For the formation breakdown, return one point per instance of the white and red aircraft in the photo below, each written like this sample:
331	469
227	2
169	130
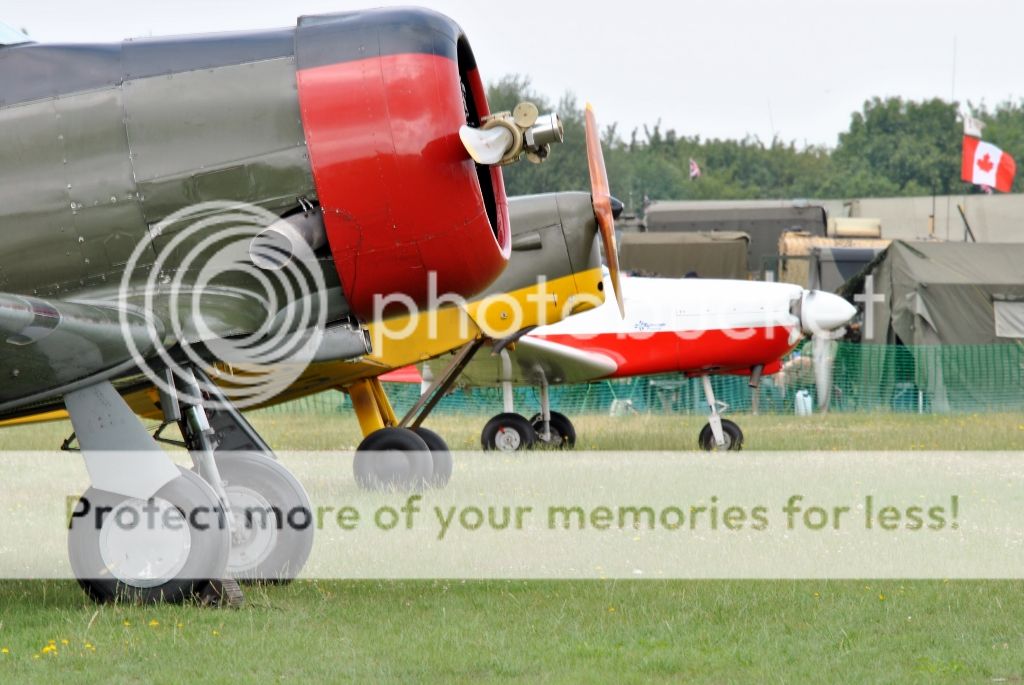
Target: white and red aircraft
694	326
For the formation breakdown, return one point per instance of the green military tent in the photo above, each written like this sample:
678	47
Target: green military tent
712	254
944	320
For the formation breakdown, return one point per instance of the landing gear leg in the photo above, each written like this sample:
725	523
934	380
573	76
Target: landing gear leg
544	434
718	433
508	396
553	429
508	431
178	554
388	456
269	512
441	472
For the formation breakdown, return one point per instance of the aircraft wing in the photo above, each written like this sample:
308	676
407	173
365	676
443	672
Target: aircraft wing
533	357
47	344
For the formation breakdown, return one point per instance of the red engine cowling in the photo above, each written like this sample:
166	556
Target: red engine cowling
382	95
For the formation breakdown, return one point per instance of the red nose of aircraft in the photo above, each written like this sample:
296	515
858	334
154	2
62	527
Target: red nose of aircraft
822	312
383	95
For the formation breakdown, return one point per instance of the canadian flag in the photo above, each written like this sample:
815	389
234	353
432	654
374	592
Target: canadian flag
986	165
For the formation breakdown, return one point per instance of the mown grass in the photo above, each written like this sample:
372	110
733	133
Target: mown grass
662	432
639	432
533	632
516	631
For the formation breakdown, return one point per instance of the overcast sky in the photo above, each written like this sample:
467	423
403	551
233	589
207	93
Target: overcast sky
717	68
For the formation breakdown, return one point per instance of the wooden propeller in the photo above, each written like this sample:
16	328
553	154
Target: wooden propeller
602	200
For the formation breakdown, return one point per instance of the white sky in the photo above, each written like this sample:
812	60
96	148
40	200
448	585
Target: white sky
715	68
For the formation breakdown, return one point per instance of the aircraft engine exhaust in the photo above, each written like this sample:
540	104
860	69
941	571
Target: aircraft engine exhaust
504	137
276	245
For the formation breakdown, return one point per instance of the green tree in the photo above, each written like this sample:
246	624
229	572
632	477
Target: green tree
898	147
892	147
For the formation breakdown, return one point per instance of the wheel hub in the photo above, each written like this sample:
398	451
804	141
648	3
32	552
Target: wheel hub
145	544
508	439
554	439
256	531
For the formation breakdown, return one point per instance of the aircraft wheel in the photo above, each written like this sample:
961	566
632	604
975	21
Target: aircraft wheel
440	453
169	548
392	458
563	434
273	515
731	432
508	432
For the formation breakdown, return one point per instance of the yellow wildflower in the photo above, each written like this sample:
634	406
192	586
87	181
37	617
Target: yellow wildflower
153	623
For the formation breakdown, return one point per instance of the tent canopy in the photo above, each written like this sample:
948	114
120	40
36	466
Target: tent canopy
944	293
830	267
718	254
942	301
763	221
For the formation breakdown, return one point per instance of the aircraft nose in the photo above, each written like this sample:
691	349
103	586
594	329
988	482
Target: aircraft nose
821	311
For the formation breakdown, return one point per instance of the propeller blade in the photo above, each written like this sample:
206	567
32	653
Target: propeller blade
602	200
821	352
486	147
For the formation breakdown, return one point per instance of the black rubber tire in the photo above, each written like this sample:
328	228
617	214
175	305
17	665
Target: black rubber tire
561	428
440	453
291	515
733	437
209	540
392	459
508	432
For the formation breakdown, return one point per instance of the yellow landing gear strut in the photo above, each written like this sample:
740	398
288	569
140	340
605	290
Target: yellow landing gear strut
371	404
391	450
390	457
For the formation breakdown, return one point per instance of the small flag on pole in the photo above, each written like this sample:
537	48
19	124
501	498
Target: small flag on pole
972	126
694	169
984	164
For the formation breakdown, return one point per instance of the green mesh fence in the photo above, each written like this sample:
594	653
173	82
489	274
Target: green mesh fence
926	379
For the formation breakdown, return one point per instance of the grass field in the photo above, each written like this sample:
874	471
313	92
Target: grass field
515	631
642	432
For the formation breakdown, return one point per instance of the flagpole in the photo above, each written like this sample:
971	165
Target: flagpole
952	99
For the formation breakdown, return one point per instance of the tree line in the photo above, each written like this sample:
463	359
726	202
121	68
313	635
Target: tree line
893	147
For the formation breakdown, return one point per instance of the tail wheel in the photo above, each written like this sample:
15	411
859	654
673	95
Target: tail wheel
563	434
168	548
392	458
273	518
508	433
440	453
730	431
